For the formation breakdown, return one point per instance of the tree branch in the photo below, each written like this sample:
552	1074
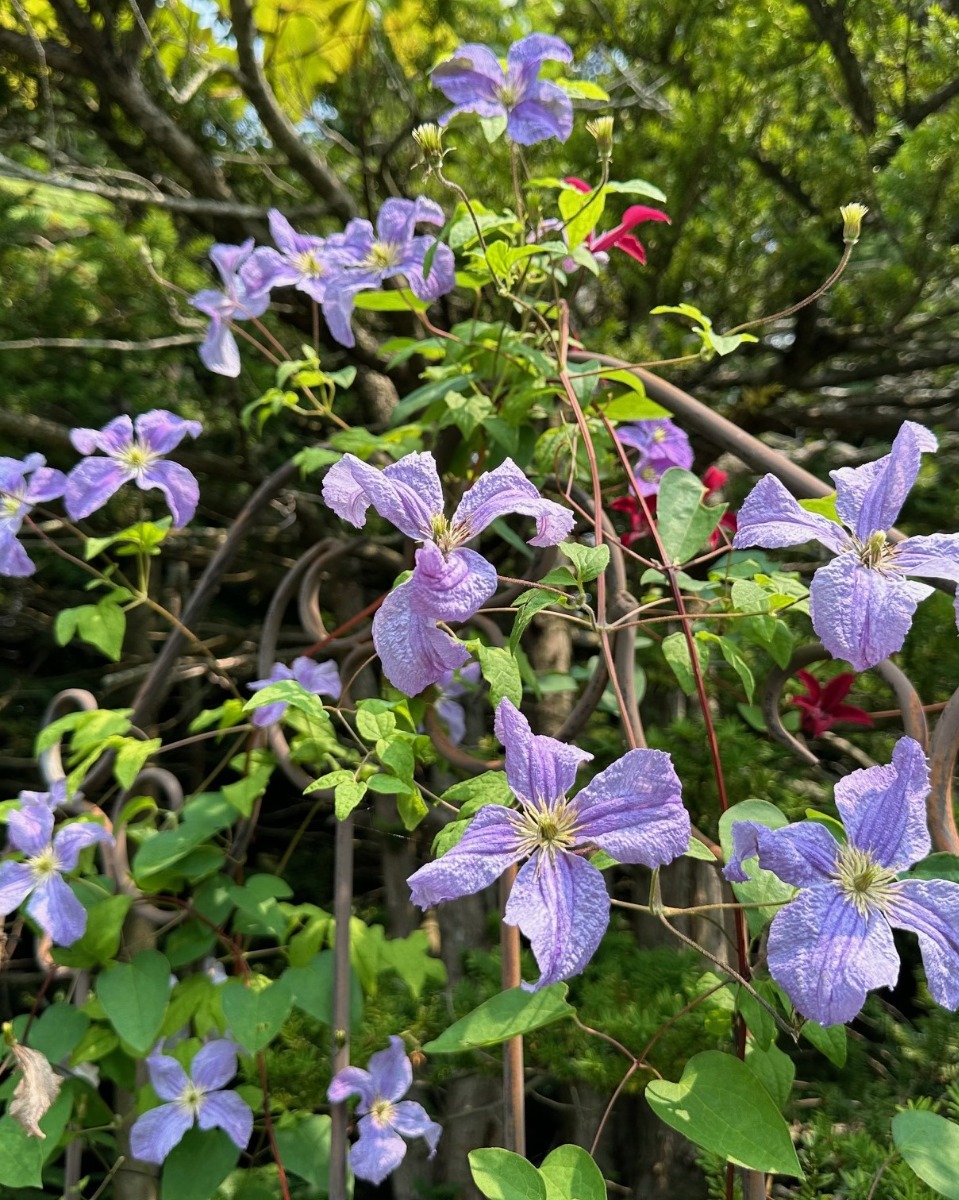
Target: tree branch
832	29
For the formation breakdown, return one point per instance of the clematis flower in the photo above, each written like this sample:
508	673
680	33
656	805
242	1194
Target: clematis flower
661	445
449	582
385	1117
242	297
322	679
822	706
369	258
633	810
23	483
134	451
620	238
52	904
833	943
534	110
53	799
447	705
862	602
198	1098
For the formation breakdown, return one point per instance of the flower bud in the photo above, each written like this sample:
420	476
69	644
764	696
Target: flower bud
429	138
852	215
602	131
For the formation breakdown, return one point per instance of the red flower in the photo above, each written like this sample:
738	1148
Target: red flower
639	527
620	237
822	706
714	481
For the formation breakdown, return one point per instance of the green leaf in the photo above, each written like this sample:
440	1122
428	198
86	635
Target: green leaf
312	986
493	128
528	605
292	693
683	520
829	1040
489	788
410	958
732	655
763	887
372	722
632	407
130	758
720	1105
501	671
676	652
937	866
581	213
582	89
255	1014
696	849
503	1016
570	1174
196	1167
637	187
411	808
396	300
589	562
134	997
304	1145
101	938
930	1145
102	625
759	1021
503	1175
825	506
775	1069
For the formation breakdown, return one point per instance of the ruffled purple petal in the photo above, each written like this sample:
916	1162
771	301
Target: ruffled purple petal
634	810
57	911
884	808
45	484
282	232
391	1070
396	222
352	1081
412	1120
14	560
114	438
228	259
487	109
219	352
214	1065
540	770
270	270
90	485
29	829
378	1152
71	839
490	844
155	1133
507	490
827	956
803	854
453	717
560	903
930	908
408	497
534	49
450	587
472	75
167	1078
53	799
859	613
322	679
160	431
413	651
269	713
772	518
16	883
442	276
227	1111
932	557
868	498
545	112
178	485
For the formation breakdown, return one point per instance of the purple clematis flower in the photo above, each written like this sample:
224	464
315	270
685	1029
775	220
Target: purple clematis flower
449	582
661	445
861	603
633	810
242	297
833	943
18	494
53	799
52	904
385	1117
134	451
197	1098
448	708
322	679
534	110
369	257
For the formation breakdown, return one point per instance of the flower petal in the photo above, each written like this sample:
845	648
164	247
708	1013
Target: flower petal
442	276
826	956
490	844
30	828
227	1111
507	490
633	216
160	431
413	651
228	259
16	883
219	352
377	1153
884	808
539	769
114	438
57	911
930	908
450	587
472	74
771	517
352	1081
155	1133
560	903
167	1077
71	839
14	560
178	485
45	484
453	717
322	679
214	1065
412	1120
932	557
90	485
803	854
545	112
391	1070
634	810
861	614
868	498
408	493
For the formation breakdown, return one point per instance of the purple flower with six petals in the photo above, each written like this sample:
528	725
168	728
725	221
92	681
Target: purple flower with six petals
18	494
242	297
385	1118
449	582
134	450
861	603
52	904
322	679
661	445
633	810
534	110
833	943
195	1098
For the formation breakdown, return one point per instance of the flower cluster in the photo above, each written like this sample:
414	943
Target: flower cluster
833	943
633	810
861	603
449	582
661	445
385	1117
